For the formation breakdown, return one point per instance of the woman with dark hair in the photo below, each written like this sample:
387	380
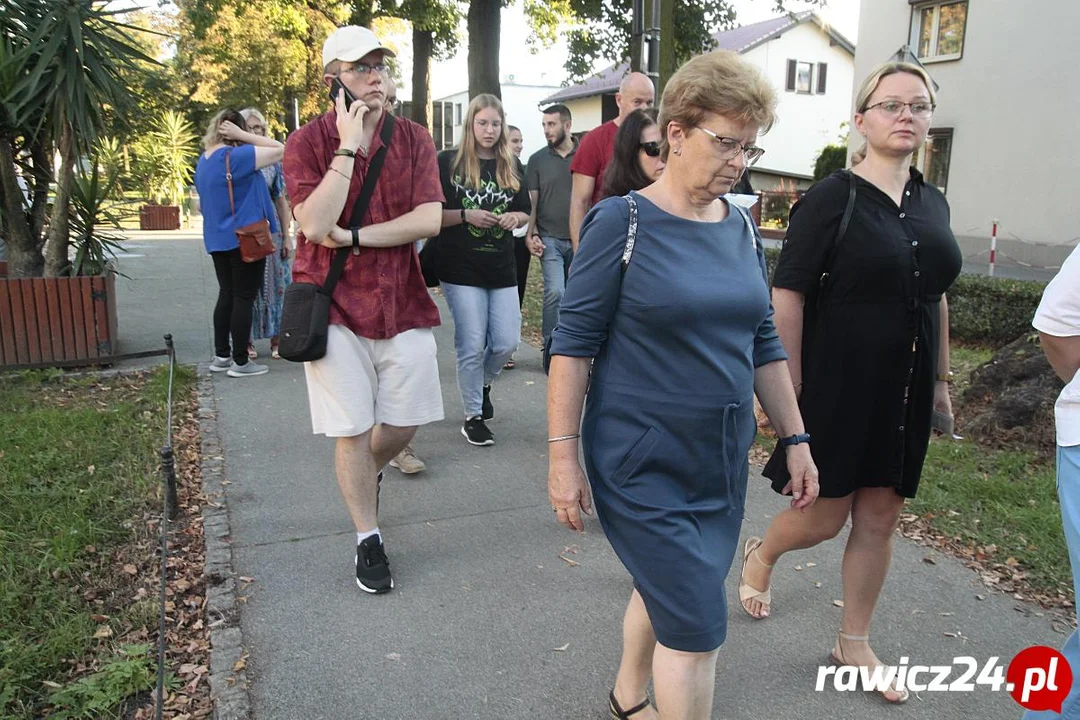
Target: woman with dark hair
234	152
636	161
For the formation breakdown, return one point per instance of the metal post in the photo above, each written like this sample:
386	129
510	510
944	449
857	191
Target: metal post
168	475
637	36
653	35
993	246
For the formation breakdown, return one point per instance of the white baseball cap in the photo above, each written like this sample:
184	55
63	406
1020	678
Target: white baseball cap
350	43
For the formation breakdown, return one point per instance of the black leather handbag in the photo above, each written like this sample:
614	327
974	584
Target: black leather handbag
305	313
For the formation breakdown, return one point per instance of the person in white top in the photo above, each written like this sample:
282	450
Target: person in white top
1058	323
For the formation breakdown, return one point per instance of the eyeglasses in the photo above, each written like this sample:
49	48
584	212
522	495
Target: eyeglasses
730	147
892	108
364	69
652	148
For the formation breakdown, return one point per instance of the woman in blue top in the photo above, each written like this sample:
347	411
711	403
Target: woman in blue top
678	344
238	281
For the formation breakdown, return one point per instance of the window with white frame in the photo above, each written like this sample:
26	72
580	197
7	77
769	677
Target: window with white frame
933	157
937	30
803	78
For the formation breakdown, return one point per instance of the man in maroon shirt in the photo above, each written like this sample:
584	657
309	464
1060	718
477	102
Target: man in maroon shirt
378	380
594	152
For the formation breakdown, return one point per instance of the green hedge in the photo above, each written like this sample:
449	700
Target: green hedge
991	311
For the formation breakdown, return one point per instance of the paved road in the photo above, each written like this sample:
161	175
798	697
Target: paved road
487	620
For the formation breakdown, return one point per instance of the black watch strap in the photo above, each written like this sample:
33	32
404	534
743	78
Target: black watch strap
795	440
355	240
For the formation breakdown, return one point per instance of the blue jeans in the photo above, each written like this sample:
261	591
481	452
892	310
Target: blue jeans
1068	487
558	254
487	329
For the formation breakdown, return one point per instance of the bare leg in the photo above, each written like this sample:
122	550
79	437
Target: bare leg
635	669
357	462
388	440
793	530
874	516
356	471
684	683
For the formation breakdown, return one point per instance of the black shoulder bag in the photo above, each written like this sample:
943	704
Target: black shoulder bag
628	252
305	314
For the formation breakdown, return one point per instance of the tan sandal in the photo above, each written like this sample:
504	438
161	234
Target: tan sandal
748	592
837	657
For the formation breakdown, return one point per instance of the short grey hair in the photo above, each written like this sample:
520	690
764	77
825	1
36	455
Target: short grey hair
251	112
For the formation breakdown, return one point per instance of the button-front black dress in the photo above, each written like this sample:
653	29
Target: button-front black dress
871	337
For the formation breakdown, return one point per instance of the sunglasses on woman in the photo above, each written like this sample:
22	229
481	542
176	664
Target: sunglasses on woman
652	148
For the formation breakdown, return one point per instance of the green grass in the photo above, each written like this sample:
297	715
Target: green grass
77	472
532	312
998	499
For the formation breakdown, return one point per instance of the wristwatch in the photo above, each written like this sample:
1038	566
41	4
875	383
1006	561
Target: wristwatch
355	240
795	440
945	377
463	220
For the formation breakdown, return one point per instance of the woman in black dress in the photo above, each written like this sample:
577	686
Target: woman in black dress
863	316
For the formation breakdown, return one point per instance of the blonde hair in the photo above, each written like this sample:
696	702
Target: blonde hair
719	82
466	162
870	84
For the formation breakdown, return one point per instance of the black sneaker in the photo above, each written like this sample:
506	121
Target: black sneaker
487	410
372	567
476	432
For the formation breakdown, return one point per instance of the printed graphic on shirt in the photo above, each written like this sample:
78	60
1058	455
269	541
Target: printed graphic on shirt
490	194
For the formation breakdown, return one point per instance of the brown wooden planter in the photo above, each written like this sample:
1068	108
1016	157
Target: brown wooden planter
159	217
57	321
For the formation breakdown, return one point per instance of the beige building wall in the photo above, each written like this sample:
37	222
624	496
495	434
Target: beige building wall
586	113
1012	104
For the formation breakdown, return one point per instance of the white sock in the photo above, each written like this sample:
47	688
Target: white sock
362	536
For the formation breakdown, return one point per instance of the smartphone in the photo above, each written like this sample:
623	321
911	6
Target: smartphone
336	87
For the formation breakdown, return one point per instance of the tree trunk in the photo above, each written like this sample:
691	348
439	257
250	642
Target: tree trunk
485	25
56	249
423	42
23	255
39	196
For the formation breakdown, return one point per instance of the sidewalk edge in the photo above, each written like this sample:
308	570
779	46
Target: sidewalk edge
228	679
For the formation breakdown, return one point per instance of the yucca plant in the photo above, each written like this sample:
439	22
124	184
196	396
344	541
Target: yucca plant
93	198
61	68
164	159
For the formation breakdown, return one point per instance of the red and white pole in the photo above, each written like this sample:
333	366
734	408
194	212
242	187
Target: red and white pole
993	247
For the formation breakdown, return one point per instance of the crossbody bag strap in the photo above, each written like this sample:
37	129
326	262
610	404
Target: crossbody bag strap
841	231
228	181
631	234
361	204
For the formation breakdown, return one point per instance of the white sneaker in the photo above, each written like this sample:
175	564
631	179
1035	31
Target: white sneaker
220	364
247	369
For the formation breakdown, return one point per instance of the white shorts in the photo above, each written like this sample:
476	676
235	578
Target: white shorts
362	382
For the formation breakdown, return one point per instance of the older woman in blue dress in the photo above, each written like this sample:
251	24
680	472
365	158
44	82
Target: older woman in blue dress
679	340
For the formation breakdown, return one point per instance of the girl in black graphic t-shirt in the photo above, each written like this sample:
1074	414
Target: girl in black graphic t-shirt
486	201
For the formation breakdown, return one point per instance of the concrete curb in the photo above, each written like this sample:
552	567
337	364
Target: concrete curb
228	679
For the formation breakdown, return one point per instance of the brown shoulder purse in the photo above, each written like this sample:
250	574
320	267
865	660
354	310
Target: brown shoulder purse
255	239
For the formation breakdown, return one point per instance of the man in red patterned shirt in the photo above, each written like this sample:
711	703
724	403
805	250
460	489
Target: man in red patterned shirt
379	379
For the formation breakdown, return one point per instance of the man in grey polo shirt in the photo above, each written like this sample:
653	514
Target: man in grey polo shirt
548	179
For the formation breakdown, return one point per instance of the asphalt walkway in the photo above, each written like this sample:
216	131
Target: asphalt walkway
498	611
